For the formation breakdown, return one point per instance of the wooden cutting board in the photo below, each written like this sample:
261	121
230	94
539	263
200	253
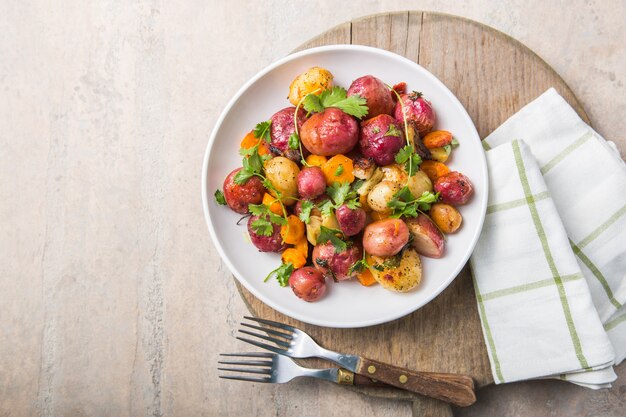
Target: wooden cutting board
493	76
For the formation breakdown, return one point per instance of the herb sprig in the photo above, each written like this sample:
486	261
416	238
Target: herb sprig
340	193
282	274
354	105
405	204
330	235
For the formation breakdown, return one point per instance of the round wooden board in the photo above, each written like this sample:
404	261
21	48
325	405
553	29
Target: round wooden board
493	76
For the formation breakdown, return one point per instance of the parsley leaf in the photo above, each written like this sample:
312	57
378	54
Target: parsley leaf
339	170
330	235
454	142
294	141
359	265
337	97
264	212
305	211
326	208
392	262
409	158
405	204
262	227
262	130
393	131
282	274
219	197
252	165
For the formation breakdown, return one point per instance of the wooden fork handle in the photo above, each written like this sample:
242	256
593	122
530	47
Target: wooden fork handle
454	389
363	380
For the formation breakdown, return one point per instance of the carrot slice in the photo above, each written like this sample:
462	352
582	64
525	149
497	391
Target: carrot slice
273	204
366	277
316	160
338	169
303	246
437	139
293	256
376	215
434	169
250	140
293	231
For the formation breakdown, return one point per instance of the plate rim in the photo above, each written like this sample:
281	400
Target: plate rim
205	195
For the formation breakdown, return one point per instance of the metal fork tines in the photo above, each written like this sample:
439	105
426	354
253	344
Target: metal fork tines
270	367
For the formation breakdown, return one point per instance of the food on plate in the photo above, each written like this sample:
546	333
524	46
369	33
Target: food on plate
311	182
454	188
313	81
376	94
350	220
282	173
447	218
334	263
282	127
348	184
385	237
307	283
418	110
264	234
238	196
381	139
400	273
427	239
330	132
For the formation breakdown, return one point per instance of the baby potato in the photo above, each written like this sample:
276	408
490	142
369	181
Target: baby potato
313	228
385	237
446	217
381	194
419	183
283	174
394	275
394	173
314	80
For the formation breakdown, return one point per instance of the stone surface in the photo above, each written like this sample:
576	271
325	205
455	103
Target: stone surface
113	299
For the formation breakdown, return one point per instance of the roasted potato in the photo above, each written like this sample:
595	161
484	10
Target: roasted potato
272	243
330	132
447	218
395	274
281	129
454	188
314	80
311	182
239	196
381	139
362	168
283	174
307	283
313	229
335	264
427	239
385	237
375	93
419	183
351	221
381	194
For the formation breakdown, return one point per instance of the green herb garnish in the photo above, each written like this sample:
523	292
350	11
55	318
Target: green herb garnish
337	97
219	197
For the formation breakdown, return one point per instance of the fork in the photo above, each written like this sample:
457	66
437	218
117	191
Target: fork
278	369
293	342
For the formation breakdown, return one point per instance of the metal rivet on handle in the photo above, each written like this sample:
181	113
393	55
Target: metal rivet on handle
403	379
371	369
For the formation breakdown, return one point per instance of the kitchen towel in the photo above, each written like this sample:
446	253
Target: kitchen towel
553	248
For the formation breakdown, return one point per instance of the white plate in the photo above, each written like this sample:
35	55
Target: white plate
345	304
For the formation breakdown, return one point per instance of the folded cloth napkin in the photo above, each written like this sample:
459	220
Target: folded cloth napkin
537	315
586	178
584	187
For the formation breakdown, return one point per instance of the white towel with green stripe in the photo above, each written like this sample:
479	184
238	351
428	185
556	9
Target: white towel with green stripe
586	178
585	192
538	318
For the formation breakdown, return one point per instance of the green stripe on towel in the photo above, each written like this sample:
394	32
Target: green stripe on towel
613	323
565	152
619	213
527	287
516	203
596	272
548	255
490	343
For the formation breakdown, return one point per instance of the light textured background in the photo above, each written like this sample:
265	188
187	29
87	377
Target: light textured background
113	301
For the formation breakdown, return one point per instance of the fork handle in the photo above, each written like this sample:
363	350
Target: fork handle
455	390
363	380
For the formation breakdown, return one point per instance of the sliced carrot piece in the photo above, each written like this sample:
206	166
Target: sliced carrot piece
303	246
250	140
434	169
366	277
437	139
293	256
376	215
293	231
316	160
338	169
273	204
